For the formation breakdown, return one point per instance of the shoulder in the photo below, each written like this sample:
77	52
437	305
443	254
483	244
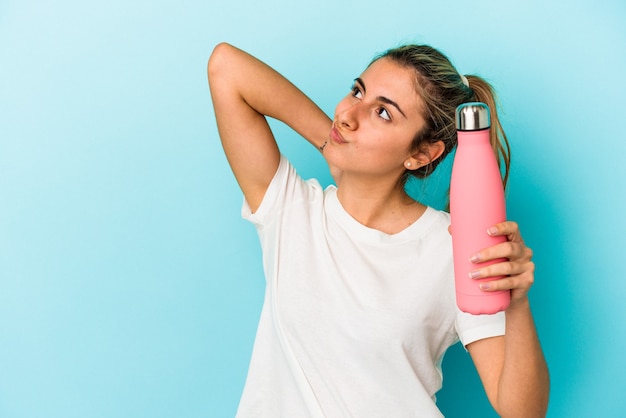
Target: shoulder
438	222
286	189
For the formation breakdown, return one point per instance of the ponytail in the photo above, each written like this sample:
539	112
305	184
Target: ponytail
483	92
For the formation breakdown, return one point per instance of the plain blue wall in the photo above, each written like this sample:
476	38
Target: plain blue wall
130	286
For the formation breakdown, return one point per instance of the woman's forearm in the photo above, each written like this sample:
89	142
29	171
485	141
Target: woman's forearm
512	367
244	91
524	384
271	94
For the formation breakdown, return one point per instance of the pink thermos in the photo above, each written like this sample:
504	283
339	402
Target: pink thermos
476	203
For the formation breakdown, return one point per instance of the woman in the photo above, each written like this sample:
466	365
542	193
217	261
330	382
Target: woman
359	307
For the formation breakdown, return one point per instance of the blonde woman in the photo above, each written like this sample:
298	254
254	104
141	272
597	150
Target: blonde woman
359	307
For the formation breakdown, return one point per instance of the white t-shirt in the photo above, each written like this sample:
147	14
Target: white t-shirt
355	322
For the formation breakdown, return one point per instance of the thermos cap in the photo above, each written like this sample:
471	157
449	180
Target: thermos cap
472	116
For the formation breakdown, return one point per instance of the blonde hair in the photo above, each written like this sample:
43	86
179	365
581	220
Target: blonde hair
442	89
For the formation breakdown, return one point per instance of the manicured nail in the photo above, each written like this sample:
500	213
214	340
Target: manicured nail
474	274
475	258
485	286
492	231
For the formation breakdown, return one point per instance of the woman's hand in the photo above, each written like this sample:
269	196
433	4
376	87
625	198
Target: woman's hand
517	267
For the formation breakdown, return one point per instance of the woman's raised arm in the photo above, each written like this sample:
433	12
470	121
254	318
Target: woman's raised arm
244	90
512	368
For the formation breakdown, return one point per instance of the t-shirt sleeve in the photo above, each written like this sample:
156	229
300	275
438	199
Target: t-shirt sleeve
286	188
270	196
472	328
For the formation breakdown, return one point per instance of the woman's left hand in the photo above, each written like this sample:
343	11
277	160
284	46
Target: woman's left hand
517	267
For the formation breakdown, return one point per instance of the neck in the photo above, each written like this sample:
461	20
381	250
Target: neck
378	205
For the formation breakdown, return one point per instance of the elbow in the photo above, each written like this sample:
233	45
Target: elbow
531	405
218	60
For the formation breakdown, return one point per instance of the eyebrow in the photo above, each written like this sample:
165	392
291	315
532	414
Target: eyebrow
380	98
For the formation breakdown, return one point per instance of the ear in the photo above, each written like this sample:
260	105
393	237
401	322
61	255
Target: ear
427	154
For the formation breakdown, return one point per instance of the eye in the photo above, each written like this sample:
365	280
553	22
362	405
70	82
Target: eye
383	113
356	92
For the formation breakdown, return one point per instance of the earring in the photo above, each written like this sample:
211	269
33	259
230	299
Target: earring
408	164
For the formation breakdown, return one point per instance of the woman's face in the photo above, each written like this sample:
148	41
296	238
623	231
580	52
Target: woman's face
375	124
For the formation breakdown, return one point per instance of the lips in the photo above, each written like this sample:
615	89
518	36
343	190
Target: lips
335	136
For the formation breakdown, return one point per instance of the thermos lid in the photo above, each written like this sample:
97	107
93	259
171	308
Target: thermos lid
472	116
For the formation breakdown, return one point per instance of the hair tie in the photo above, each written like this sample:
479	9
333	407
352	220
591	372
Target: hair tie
464	80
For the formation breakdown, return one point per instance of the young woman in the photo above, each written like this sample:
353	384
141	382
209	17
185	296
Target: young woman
359	307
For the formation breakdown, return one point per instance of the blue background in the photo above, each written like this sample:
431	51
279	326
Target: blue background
129	284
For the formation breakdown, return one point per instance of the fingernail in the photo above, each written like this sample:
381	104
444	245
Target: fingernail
485	286
475	258
474	274
492	231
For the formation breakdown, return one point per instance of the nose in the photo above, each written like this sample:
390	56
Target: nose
347	116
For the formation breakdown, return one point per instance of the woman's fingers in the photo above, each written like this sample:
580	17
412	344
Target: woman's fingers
509	249
513	264
513	276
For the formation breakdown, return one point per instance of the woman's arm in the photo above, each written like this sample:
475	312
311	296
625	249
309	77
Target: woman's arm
244	90
512	367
